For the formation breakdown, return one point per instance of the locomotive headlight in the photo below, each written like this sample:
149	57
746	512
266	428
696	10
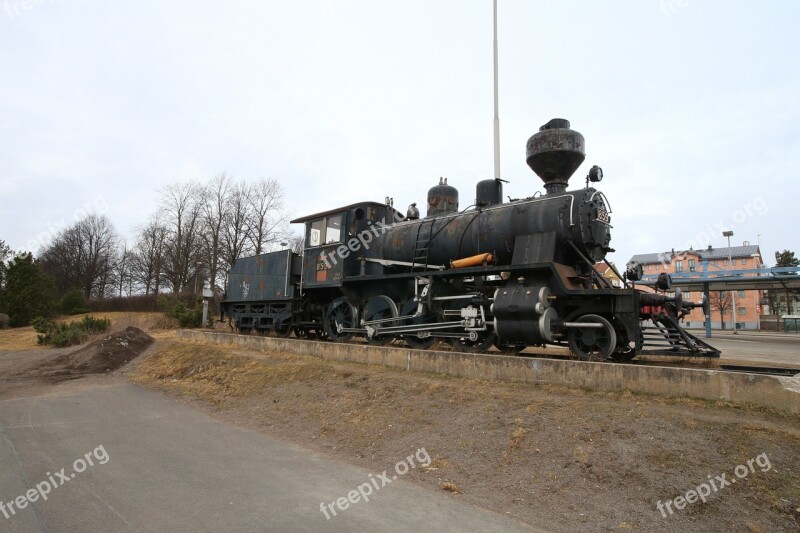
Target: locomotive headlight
595	174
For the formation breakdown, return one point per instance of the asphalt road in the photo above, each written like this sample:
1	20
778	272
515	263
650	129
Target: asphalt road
764	348
160	465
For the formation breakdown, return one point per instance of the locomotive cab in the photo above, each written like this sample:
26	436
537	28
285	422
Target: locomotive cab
337	239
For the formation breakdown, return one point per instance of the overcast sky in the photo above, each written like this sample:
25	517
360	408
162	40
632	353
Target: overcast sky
691	107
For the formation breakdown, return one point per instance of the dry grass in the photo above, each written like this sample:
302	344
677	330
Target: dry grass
440	462
18	339
450	487
514	441
145	321
215	372
582	454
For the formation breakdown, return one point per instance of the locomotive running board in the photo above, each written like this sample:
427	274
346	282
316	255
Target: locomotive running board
389	262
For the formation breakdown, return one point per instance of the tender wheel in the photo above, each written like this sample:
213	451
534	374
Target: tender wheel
593	344
341	313
415	340
474	341
380	308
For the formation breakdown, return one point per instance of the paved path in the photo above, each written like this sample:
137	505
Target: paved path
763	348
159	465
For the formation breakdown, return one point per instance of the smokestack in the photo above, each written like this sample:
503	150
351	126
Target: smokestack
555	153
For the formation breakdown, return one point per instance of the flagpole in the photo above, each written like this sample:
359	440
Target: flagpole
496	106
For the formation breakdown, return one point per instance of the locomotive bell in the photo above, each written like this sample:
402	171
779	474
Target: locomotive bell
442	199
555	153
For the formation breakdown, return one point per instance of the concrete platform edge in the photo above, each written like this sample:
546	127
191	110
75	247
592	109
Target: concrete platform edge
779	393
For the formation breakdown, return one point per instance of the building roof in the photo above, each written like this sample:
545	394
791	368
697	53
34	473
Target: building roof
709	254
602	267
606	269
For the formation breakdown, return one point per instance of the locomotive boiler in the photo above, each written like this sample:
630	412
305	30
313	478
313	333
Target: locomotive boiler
578	221
510	275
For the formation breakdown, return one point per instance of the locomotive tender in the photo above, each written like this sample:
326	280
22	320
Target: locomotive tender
512	275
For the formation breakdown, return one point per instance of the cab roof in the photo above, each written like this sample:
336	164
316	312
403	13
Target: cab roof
340	210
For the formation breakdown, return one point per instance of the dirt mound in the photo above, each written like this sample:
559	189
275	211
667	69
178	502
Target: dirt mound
103	355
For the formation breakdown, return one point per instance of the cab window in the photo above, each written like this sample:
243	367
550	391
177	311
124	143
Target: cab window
333	229
315	233
325	231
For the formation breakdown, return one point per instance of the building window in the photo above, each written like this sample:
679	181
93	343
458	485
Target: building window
744	261
679	266
742	311
724	262
692	266
733	262
740	295
687	296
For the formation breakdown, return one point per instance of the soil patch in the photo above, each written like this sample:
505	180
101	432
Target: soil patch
103	355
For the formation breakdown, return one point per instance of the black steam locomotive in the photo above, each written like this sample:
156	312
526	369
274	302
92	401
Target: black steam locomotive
510	275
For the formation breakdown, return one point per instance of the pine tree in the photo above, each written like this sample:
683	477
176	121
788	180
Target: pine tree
29	292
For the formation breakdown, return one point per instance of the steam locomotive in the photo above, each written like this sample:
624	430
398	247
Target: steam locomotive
510	274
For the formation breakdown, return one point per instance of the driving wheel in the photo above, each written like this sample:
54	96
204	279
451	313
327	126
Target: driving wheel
595	343
341	314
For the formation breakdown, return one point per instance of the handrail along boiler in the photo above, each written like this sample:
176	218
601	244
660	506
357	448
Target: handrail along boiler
512	275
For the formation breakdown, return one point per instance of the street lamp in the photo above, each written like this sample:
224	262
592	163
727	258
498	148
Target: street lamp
729	234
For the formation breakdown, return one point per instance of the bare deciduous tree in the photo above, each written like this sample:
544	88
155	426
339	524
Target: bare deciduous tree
205	228
721	301
148	259
235	238
297	243
123	275
83	256
216	203
267	222
181	208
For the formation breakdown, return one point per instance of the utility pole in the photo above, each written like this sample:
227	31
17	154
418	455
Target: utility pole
729	234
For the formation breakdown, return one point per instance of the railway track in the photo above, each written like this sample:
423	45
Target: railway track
766	370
